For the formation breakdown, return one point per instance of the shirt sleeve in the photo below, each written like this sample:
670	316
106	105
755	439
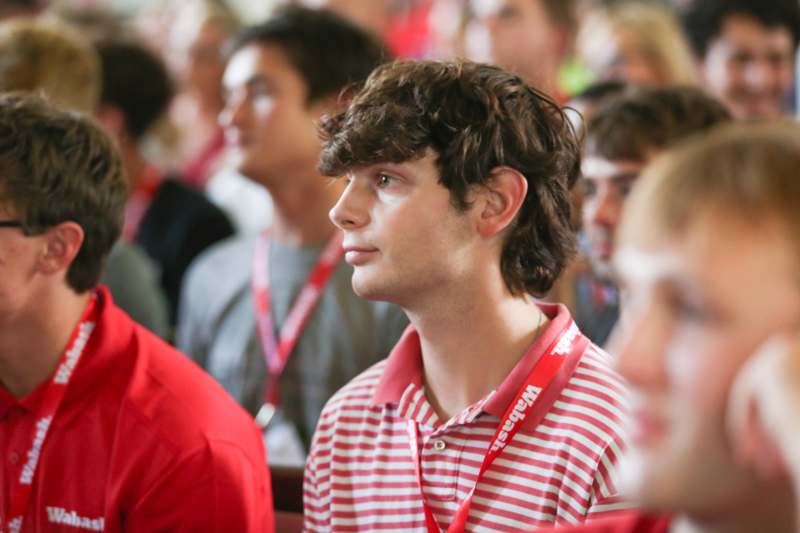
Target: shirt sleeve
316	505
605	494
218	489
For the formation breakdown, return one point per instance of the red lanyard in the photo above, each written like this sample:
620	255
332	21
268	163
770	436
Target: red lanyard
139	202
47	411
277	350
528	397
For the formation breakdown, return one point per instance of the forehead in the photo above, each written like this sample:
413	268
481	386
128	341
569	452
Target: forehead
744	31
715	252
259	61
598	168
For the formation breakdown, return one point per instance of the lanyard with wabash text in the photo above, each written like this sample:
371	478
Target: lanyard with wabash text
568	343
277	350
52	398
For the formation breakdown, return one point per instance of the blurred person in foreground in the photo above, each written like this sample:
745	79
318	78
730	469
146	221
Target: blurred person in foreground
273	317
745	50
493	411
103	426
622	138
708	258
53	59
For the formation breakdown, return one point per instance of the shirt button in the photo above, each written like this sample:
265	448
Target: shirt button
439	445
13	458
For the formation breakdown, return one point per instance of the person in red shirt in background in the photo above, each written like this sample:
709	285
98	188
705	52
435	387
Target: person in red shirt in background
710	339
102	425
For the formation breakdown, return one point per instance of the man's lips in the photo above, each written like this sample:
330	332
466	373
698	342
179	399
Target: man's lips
358	255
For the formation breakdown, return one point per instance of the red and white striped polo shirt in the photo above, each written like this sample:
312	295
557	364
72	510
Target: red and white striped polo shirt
559	468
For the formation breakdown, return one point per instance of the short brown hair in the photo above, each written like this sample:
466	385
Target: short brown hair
51	58
476	118
746	172
58	166
632	126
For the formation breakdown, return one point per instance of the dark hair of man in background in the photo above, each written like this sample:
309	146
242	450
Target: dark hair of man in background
632	127
703	19
330	53
136	82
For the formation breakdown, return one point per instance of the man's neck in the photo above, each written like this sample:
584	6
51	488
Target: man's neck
136	166
770	511
33	340
471	342
301	208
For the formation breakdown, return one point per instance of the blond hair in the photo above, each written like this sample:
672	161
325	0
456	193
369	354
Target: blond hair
739	172
52	59
655	32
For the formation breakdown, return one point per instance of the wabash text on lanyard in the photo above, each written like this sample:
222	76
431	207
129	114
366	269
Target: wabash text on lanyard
567	343
48	409
277	350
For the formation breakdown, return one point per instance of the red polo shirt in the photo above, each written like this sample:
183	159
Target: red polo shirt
144	441
560	468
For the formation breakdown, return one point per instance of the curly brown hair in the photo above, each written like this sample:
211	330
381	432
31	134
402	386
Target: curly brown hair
476	118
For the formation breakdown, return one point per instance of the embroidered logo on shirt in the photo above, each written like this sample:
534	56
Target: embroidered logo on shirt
33	454
59	515
517	415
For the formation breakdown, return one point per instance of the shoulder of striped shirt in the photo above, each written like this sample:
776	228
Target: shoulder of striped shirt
595	361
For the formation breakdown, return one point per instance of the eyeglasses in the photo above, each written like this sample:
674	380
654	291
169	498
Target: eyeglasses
10	223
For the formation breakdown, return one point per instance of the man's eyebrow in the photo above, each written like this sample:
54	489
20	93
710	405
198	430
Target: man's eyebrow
625	175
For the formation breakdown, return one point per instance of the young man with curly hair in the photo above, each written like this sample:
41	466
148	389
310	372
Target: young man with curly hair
493	411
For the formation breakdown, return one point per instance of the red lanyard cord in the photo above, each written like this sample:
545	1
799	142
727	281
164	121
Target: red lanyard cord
541	377
277	350
52	399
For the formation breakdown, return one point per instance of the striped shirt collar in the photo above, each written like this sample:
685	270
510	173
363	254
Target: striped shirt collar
401	382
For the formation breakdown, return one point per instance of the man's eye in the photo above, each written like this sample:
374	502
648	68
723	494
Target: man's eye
588	188
383	180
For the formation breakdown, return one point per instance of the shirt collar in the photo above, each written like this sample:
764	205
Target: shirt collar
401	381
91	369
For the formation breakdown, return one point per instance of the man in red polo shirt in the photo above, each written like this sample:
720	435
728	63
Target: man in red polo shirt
492	412
103	427
708	253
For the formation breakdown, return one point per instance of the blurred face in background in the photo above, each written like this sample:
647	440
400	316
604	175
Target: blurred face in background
750	67
270	127
605	186
523	38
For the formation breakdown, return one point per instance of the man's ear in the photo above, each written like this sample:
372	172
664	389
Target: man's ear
62	244
499	200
